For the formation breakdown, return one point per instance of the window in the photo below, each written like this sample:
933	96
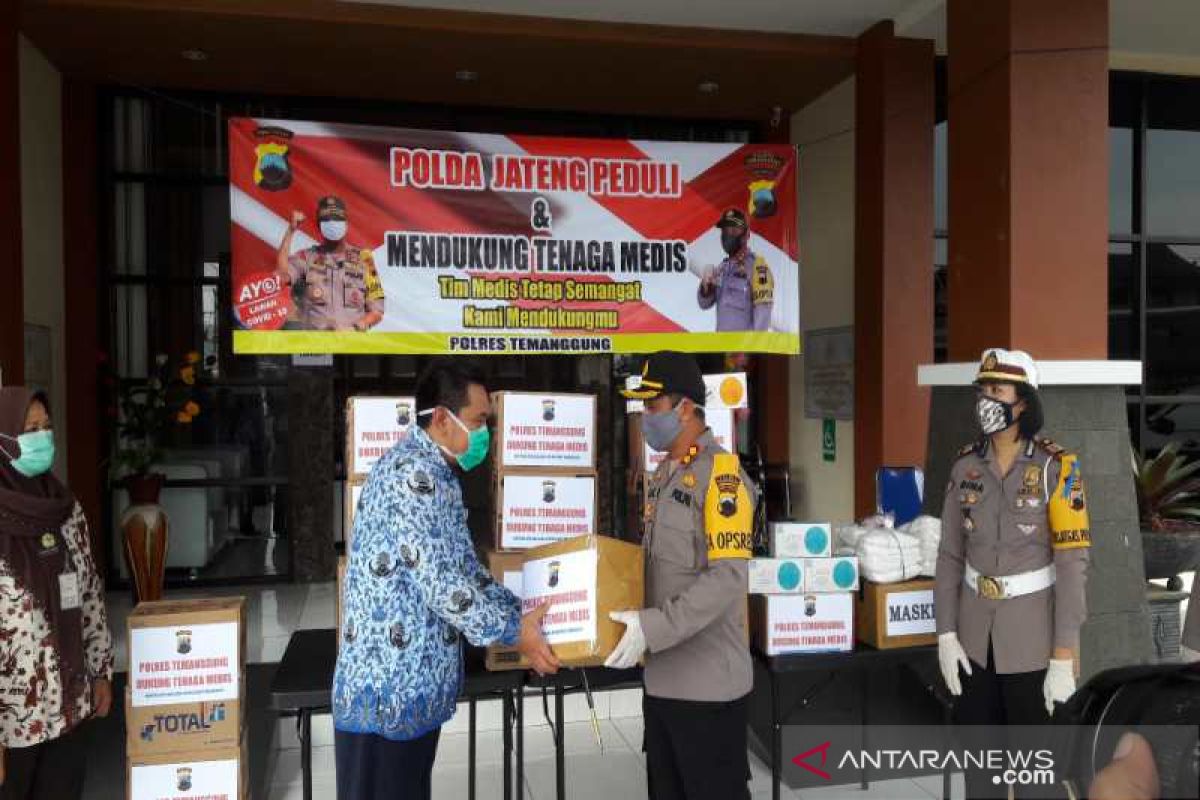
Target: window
1154	252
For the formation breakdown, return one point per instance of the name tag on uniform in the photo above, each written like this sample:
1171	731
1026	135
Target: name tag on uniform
68	590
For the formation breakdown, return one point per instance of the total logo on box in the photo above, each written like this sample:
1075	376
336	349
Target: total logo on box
187	722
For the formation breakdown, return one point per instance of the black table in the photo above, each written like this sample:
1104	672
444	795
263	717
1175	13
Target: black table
861	661
564	682
303	687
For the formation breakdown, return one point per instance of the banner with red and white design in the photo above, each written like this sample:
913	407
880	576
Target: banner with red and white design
357	239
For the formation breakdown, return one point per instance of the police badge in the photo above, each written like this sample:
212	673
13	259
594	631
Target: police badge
727	486
272	171
765	168
548	491
548	410
183	642
183	779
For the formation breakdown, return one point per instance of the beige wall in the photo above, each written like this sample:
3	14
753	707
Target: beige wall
41	219
824	132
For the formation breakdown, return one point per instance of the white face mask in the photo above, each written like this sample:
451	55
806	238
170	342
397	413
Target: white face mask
333	229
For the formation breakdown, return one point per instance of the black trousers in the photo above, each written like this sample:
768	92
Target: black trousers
696	750
990	702
51	770
371	767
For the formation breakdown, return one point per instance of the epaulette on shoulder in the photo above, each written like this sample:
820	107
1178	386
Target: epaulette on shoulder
1048	446
967	450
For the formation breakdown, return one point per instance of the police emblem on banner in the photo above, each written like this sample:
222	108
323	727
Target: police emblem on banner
403	414
272	171
548	410
548	491
764	168
183	642
554	568
183	779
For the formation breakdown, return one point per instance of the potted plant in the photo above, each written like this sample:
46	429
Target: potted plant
1168	495
146	412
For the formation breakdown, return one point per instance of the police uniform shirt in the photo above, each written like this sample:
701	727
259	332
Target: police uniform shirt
698	527
744	294
335	289
1033	517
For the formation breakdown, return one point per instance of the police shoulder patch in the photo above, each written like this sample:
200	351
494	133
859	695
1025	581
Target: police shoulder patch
1049	446
967	450
728	511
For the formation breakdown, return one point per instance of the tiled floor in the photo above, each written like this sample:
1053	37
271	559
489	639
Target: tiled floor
617	773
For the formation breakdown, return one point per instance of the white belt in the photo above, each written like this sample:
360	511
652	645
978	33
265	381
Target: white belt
1003	587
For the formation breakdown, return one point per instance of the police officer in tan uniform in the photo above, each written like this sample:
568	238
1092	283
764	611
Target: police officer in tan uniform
699	512
742	287
334	284
1012	563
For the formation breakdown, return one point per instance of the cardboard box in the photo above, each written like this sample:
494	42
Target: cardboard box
187	651
373	425
894	615
785	624
506	569
585	578
720	422
838	574
533	510
351	493
775	576
218	773
800	539
545	431
182	727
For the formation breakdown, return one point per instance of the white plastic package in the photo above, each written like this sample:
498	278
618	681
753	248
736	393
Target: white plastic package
889	556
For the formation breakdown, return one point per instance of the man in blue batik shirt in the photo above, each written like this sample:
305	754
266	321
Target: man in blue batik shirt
412	588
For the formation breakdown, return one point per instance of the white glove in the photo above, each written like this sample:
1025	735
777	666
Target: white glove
1060	682
951	656
629	650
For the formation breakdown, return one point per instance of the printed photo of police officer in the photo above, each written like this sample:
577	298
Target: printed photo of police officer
334	284
741	286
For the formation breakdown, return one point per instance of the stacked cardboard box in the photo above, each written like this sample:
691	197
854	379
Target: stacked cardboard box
373	426
803	599
544	468
185	703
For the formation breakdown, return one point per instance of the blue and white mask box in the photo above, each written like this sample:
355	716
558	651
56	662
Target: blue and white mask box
801	540
776	576
831	574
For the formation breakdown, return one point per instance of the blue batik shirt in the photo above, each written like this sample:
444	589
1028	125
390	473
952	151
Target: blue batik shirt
412	586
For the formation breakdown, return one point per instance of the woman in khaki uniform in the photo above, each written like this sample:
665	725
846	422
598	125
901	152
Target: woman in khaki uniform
1011	570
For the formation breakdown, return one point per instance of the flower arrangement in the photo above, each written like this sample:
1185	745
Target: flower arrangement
146	409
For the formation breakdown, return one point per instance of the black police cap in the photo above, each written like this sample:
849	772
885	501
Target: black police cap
668	372
732	218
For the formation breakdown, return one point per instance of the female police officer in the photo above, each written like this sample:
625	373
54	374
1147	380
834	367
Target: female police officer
1012	562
